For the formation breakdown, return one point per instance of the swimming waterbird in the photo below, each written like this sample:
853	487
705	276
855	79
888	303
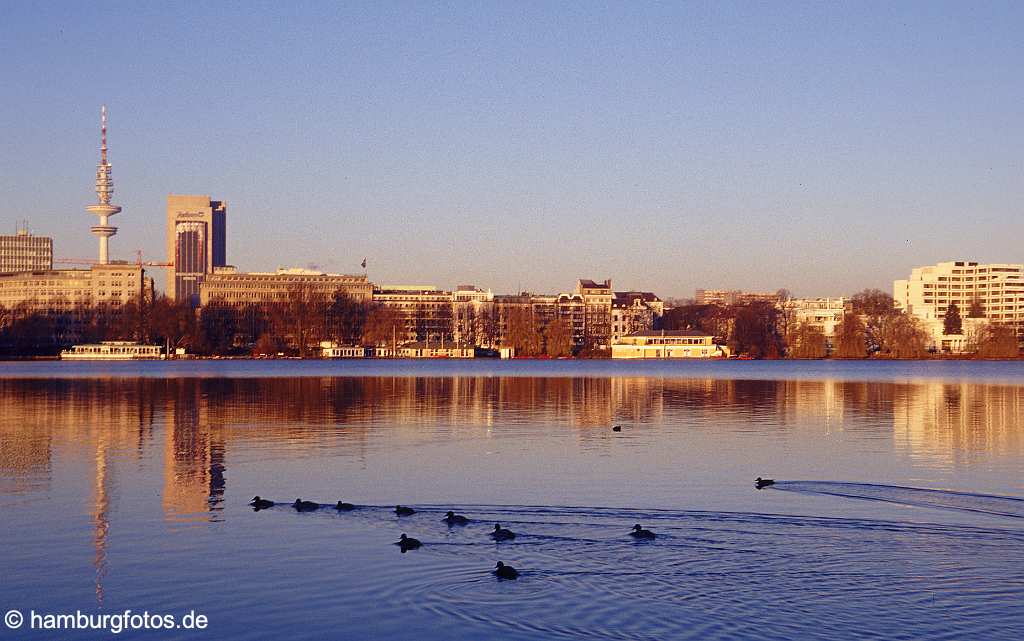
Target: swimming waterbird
503	571
501	534
640	533
305	506
408	543
260	504
451	518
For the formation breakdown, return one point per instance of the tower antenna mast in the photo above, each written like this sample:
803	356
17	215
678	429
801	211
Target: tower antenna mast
104	191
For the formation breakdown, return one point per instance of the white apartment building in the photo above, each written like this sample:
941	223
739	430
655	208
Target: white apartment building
823	313
998	288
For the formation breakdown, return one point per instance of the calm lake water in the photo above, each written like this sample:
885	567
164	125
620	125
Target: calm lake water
898	511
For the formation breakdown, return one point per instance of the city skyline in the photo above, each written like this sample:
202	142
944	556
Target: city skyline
713	155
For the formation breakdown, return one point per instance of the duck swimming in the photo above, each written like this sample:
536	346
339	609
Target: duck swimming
451	518
260	504
305	506
761	483
640	533
402	510
501	534
617	428
503	571
408	543
341	506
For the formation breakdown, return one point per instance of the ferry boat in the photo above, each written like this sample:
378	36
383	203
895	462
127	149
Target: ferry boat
113	351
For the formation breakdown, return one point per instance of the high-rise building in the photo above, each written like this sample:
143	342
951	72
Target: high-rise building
598	299
24	252
196	243
104	191
996	290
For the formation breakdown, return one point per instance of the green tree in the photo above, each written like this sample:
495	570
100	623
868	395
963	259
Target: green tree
952	324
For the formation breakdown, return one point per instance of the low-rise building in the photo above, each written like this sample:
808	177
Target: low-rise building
422	349
331	349
59	291
733	297
823	314
965	342
667	344
635	312
682	343
473	316
229	286
426	311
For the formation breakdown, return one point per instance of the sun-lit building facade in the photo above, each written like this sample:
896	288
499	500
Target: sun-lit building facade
196	243
996	288
24	252
681	343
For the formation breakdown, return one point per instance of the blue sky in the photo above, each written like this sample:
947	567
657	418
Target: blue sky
815	146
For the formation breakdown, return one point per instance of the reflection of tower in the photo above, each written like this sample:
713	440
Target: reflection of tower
104	190
196	229
101	522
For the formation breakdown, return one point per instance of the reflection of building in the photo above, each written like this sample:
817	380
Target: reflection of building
998	290
253	288
680	343
24	252
954	423
196	243
193	457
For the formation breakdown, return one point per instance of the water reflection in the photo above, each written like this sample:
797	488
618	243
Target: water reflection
194	422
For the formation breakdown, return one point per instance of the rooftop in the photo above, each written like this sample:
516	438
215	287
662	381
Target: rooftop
669	333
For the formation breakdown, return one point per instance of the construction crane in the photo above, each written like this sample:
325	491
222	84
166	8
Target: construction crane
93	261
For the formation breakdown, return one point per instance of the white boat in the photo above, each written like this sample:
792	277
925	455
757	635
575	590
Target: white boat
113	351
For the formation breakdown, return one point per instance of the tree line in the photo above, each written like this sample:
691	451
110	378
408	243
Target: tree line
872	327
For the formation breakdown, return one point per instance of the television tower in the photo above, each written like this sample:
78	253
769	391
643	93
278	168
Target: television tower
104	190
